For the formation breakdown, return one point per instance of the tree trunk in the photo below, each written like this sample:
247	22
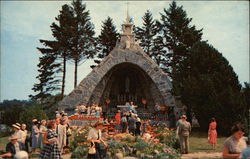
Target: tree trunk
64	75
75	83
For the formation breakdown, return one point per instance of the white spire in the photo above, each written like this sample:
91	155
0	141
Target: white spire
128	18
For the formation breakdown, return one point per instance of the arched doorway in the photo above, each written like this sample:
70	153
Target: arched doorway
126	82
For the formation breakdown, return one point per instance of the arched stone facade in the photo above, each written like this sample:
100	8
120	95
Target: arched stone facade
93	85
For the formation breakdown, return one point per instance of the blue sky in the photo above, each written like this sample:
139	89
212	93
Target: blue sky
225	25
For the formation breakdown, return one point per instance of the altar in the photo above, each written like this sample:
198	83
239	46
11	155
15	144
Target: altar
125	107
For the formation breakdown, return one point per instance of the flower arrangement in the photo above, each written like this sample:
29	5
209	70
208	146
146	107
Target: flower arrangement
163	144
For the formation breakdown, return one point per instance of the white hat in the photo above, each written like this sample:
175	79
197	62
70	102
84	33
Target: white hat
138	119
15	126
34	120
18	124
184	116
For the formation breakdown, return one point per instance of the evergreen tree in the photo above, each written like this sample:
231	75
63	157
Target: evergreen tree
210	87
148	37
177	36
108	37
48	81
62	34
82	32
106	40
56	50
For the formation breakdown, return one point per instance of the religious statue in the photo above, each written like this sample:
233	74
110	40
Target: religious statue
127	42
127	85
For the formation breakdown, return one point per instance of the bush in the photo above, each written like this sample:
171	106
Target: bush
32	112
80	152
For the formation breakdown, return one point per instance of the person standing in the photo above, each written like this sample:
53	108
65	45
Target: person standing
118	120
42	131
235	144
17	132
124	123
132	125
183	132
157	109
25	137
50	148
95	139
35	136
212	133
61	131
104	111
138	126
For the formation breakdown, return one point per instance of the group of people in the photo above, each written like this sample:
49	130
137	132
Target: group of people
17	142
97	136
51	137
56	138
89	111
234	147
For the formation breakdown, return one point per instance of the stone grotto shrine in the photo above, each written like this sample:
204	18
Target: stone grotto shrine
126	74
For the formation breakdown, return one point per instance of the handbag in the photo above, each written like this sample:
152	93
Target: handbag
92	149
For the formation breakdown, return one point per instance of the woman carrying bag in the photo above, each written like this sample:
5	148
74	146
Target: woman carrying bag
94	137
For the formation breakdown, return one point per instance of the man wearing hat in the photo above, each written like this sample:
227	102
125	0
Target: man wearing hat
183	132
17	131
13	147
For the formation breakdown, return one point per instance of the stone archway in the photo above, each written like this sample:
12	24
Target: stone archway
84	91
126	82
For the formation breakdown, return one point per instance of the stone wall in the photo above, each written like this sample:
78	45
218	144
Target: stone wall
83	92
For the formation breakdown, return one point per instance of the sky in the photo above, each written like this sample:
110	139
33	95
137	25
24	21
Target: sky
225	25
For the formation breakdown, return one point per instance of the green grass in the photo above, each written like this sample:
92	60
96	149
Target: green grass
198	143
3	142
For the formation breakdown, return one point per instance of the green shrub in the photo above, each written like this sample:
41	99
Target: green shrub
80	152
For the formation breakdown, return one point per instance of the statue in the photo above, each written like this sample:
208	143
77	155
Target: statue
127	42
127	85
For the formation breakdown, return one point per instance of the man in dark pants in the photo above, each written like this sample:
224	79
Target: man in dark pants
132	125
124	123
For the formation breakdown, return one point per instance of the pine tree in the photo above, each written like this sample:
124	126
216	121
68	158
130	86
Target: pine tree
147	35
82	32
58	49
106	40
48	81
108	37
62	34
210	87
177	36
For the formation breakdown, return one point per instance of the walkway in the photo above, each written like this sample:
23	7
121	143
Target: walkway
202	155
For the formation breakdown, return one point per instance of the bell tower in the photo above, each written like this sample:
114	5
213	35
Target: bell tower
127	40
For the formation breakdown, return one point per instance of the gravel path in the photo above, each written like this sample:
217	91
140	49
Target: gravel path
202	155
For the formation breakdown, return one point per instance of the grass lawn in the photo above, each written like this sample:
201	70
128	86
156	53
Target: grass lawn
3	142
198	143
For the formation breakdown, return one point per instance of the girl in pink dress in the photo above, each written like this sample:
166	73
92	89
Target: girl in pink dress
212	133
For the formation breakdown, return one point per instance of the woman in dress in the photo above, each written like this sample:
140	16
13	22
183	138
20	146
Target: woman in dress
95	138
61	131
50	149
35	136
212	133
24	136
234	145
42	131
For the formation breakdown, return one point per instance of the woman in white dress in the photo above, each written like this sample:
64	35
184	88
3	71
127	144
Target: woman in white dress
42	131
61	130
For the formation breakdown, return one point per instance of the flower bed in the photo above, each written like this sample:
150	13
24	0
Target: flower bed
163	145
